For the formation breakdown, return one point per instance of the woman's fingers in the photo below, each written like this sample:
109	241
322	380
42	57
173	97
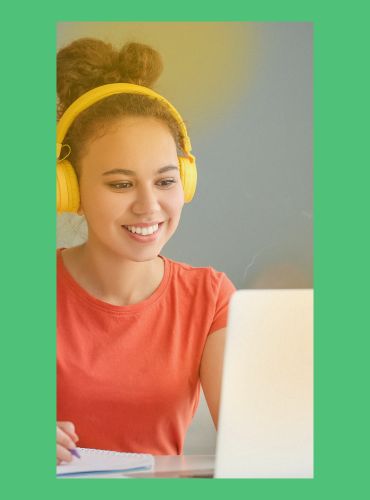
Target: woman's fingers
68	428
66	440
63	455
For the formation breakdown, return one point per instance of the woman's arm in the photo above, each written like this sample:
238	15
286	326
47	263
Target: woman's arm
211	371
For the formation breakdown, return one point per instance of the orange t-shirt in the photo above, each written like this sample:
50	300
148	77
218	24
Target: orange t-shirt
128	376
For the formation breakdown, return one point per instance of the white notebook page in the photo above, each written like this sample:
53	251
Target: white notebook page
95	461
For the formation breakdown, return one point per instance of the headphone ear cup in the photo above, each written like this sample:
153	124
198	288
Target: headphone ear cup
188	175
68	193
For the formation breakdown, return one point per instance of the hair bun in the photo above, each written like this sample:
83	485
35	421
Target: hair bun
139	64
87	63
82	65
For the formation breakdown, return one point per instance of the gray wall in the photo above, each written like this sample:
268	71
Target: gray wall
245	92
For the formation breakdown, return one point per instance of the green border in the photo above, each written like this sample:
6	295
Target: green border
28	248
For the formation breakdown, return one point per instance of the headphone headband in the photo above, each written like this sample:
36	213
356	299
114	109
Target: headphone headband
92	96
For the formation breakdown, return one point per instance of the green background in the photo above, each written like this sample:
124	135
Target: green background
341	270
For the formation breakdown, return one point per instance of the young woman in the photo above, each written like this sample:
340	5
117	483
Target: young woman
137	333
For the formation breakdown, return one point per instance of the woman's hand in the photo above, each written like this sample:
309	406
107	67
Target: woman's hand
66	440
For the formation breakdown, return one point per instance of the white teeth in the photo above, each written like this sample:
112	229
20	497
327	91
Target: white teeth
144	231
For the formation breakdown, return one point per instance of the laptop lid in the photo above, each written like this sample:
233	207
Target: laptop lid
265	425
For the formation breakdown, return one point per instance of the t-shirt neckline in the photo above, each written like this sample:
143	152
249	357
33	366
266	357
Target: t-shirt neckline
106	306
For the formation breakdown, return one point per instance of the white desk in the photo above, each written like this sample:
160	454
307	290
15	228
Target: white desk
169	466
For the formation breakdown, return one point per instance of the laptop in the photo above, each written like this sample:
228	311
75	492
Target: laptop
265	427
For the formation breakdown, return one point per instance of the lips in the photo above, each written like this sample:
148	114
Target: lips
141	238
144	224
126	226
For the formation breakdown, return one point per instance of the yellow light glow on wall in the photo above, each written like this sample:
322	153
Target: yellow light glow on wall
208	67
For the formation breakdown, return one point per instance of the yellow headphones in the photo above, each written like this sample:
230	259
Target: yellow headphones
68	194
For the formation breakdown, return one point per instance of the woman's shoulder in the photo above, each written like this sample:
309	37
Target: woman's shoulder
207	274
189	269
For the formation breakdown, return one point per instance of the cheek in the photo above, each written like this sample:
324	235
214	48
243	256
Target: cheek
175	203
96	202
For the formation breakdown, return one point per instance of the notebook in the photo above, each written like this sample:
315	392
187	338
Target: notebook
94	461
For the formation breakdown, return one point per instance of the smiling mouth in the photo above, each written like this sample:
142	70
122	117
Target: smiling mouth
144	231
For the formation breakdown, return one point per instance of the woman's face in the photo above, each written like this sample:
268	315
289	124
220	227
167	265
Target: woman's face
130	179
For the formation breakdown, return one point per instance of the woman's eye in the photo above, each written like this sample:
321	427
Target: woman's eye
121	185
167	182
126	185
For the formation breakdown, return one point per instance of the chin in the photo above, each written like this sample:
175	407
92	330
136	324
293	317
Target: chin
145	256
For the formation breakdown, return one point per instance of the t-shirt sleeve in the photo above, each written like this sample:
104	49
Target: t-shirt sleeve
223	288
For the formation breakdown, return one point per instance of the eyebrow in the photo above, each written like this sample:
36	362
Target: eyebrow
124	171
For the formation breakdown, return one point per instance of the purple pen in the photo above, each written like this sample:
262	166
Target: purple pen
75	453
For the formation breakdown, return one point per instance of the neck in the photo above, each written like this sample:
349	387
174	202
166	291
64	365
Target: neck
114	279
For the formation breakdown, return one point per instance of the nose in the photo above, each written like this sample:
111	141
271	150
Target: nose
146	201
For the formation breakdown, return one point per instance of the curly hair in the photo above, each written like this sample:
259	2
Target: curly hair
88	63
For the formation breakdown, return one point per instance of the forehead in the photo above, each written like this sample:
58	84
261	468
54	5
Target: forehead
132	138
